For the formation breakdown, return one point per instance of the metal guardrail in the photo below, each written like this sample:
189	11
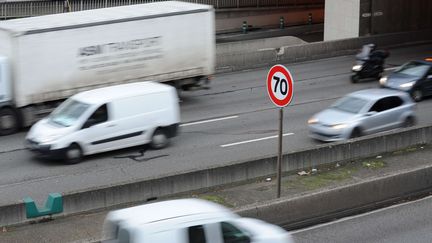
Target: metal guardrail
17	9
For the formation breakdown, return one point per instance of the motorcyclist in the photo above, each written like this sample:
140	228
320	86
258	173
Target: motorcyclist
370	63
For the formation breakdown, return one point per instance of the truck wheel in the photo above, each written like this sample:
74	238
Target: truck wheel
73	154
8	121
159	139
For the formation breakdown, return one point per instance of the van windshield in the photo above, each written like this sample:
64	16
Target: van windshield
68	112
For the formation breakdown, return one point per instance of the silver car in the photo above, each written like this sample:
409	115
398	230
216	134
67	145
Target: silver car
361	113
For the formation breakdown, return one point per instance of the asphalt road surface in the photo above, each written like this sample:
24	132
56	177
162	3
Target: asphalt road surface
409	222
235	120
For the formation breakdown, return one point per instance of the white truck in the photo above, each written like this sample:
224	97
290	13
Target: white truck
46	59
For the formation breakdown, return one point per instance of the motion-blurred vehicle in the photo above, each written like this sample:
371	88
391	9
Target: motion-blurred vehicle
414	77
188	221
369	64
106	119
46	59
361	113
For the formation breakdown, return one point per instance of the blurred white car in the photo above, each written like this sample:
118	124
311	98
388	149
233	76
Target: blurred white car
361	113
188	221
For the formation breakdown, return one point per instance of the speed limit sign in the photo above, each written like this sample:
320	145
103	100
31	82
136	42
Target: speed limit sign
280	85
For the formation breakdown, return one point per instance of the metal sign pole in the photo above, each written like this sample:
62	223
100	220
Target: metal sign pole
280	88
279	161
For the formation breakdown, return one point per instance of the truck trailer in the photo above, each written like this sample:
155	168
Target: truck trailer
46	59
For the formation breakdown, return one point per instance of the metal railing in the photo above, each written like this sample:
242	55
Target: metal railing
17	9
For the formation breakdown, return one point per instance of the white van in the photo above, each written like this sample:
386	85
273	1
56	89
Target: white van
107	119
187	221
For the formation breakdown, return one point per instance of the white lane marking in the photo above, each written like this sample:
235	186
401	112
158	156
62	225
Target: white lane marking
207	121
358	216
392	68
255	140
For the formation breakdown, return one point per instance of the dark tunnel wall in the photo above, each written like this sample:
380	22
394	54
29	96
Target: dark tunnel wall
386	16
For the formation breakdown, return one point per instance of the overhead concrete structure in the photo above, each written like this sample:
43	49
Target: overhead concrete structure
341	19
354	18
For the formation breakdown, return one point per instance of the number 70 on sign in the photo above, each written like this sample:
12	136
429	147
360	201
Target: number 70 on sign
280	85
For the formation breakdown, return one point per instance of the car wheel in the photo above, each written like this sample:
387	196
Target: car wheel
417	95
8	121
159	139
355	78
409	122
356	132
73	154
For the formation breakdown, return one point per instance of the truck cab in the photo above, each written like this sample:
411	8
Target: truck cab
188	221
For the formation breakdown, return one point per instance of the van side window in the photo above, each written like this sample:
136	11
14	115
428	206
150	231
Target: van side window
100	115
232	234
196	234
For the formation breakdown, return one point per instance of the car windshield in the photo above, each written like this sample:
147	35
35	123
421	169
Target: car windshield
414	69
68	112
349	104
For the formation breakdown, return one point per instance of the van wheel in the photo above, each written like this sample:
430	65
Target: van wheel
159	139
73	154
8	121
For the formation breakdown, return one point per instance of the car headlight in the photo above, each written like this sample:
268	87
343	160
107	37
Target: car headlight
407	85
357	68
339	126
383	80
313	120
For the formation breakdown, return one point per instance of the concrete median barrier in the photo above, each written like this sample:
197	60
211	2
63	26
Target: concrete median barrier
234	172
341	201
252	54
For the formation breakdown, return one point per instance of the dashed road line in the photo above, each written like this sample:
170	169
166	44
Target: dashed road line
207	121
254	140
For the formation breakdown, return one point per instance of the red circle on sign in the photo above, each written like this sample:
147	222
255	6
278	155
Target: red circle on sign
287	99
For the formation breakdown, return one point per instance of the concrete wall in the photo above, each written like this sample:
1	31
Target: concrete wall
232	20
234	172
389	16
257	45
352	18
341	19
341	201
258	56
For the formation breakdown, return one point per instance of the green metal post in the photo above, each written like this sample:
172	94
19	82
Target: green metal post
245	27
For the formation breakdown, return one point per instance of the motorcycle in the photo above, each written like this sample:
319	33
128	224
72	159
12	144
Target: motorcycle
370	63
